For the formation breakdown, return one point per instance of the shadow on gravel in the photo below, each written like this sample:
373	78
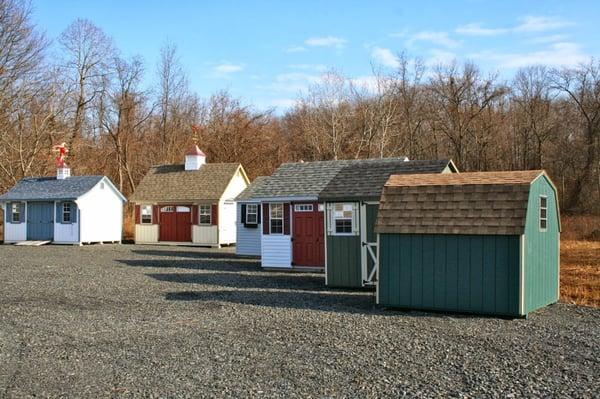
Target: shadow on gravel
301	282
210	264
347	303
191	254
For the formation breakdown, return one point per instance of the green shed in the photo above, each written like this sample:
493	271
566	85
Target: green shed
485	243
351	201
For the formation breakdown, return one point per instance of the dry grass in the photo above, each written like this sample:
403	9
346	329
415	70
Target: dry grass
580	272
579	227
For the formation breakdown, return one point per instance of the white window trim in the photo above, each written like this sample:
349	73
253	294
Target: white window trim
540	218
150	214
64	212
282	218
353	220
255	213
209	214
303	208
16	205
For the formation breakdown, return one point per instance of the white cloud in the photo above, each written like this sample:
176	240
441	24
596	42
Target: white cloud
385	57
308	67
440	56
540	24
477	29
557	54
439	38
327	41
291	82
227	68
295	49
367	82
549	39
526	24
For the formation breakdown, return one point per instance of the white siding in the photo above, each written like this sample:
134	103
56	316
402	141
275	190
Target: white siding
248	240
15	232
204	235
276	251
146	233
227	208
101	214
66	233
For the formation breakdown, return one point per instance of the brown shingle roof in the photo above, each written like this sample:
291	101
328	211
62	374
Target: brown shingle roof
172	183
464	203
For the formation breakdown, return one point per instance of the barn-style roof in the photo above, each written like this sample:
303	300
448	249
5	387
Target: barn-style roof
172	183
309	179
51	188
248	193
365	180
463	203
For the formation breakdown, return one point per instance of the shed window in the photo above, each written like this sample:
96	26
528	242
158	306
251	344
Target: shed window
205	214
303	208
66	212
252	214
543	213
146	214
16	212
276	218
343	218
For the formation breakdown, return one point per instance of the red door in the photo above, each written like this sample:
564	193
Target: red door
308	235
175	223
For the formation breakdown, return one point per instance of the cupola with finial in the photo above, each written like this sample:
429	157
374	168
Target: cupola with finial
62	169
194	157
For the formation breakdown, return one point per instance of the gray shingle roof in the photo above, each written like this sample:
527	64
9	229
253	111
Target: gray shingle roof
172	183
365	181
248	193
50	188
309	179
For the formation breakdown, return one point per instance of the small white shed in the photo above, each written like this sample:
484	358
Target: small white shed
63	210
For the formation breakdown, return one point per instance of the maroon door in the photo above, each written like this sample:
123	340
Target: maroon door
175	223
308	235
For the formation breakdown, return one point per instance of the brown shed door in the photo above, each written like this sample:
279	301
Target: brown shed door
308	235
175	223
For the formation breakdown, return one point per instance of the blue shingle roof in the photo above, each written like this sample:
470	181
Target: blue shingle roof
50	188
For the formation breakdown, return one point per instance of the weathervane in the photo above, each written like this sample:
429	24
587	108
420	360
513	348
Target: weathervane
195	131
62	151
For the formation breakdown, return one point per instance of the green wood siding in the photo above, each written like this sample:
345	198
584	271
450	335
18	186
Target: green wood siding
343	261
541	249
462	273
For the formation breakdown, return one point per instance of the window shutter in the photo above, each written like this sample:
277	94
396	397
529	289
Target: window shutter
74	212
265	208
137	215
8	213
194	214
258	219
214	214
286	219
329	218
59	218
155	214
243	219
21	212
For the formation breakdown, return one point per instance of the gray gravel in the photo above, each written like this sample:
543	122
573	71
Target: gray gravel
186	322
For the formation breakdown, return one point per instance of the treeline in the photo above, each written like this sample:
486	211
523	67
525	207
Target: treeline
93	99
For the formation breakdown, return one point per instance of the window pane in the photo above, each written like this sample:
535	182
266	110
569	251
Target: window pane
276	226
543	213
343	226
276	210
543	223
543	202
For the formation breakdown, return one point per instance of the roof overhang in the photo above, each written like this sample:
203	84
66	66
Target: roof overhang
286	199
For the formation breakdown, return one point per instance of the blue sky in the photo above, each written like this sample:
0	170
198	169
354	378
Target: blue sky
267	52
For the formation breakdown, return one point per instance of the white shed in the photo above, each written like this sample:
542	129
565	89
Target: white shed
63	210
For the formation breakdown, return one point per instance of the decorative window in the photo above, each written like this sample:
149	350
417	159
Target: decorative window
303	208
146	211
252	214
276	218
66	212
205	212
543	213
183	209
343	219
167	209
16	212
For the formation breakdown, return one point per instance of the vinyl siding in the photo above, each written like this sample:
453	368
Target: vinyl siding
248	240
14	232
146	233
461	273
205	235
276	250
227	209
541	249
101	211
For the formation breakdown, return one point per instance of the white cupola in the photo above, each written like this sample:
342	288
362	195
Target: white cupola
194	158
63	171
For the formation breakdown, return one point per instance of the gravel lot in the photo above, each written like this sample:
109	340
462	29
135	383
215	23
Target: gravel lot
159	321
